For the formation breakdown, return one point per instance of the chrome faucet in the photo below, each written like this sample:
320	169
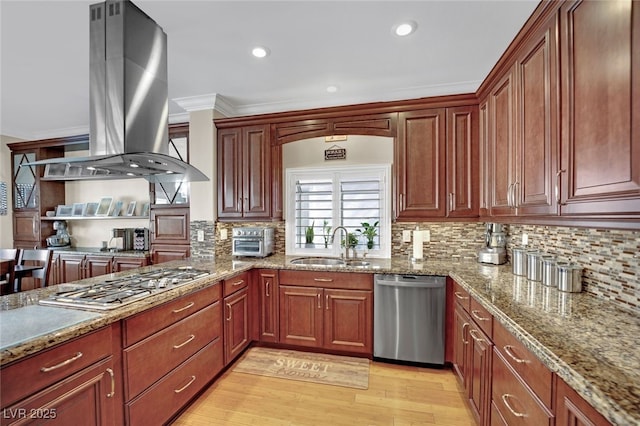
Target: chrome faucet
346	240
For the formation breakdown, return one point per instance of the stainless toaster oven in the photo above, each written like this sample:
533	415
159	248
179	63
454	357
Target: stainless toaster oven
252	241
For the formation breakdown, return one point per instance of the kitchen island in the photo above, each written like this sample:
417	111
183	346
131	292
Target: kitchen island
587	342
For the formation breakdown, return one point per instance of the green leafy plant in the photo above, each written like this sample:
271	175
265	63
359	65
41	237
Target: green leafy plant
370	232
309	234
326	231
352	239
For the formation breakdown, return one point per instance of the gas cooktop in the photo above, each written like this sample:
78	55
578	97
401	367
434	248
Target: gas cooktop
116	292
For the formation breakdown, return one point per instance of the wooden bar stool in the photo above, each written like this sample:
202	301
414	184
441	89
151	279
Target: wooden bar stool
34	264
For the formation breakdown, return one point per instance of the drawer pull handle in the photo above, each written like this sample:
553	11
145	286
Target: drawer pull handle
326	302
506	402
267	291
323	280
466	324
191	337
474	334
237	283
113	384
460	296
229	306
193	379
509	351
476	314
177	311
76	357
319	307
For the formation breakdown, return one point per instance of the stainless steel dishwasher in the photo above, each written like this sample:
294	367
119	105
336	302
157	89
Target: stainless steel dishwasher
408	318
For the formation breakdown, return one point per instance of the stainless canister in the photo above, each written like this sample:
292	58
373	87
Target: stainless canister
569	278
534	266
519	261
549	272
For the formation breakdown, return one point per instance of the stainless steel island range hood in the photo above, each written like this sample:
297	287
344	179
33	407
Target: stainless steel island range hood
128	102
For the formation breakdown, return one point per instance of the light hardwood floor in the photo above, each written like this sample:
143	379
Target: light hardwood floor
397	395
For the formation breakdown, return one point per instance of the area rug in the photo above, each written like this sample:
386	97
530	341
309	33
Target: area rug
307	367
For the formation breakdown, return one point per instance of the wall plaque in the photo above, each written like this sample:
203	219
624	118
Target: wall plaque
335	153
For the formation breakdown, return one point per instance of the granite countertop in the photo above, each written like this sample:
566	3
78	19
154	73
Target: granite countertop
588	342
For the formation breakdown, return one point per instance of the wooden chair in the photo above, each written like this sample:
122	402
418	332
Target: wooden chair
7	280
36	257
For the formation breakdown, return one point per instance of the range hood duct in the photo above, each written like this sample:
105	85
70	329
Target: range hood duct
129	105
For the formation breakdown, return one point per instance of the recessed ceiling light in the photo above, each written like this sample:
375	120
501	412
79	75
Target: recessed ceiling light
405	28
332	89
260	52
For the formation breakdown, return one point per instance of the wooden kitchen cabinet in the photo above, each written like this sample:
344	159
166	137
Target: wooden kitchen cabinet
236	316
328	310
72	383
479	372
171	352
600	56
67	267
462	161
420	155
572	410
244	173
267	282
169	236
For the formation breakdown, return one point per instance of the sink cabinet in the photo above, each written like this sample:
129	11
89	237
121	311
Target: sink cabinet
170	353
74	383
329	310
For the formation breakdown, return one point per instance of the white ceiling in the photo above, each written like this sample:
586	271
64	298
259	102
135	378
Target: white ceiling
44	80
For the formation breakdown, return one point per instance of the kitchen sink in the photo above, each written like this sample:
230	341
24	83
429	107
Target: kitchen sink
357	263
318	261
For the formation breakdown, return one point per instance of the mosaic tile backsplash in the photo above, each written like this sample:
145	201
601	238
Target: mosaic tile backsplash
610	258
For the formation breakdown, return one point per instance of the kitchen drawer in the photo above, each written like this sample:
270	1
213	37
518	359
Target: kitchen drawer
534	373
27	376
523	408
461	296
339	280
166	397
152	358
482	317
148	322
236	283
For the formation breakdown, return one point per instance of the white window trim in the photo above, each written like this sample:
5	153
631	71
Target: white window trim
293	174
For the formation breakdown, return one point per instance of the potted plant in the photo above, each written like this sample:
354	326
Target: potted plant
352	240
309	235
326	231
370	232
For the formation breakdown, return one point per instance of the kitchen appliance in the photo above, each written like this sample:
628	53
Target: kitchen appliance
141	239
117	292
62	237
409	318
128	126
252	241
494	251
123	238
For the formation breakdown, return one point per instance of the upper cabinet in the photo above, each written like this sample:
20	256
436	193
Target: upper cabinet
436	163
244	173
600	56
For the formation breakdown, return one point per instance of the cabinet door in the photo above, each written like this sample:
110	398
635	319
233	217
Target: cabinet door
600	55
420	159
26	227
169	225
126	263
229	173
268	305
85	398
256	172
479	373
98	265
573	410
348	321
236	324
501	146
462	161
483	159
537	124
161	253
461	322
301	316
71	268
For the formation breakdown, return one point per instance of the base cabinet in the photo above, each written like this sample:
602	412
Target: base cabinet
337	319
236	316
267	281
66	267
572	410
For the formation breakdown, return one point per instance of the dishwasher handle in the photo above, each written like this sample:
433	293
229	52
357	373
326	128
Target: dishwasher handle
407	281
